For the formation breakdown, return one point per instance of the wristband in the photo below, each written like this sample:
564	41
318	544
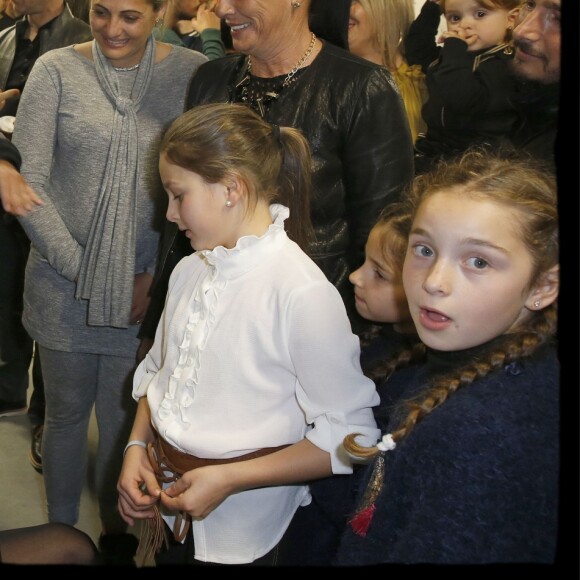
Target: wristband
134	442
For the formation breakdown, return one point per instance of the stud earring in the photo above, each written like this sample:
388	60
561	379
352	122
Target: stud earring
537	304
296	4
228	203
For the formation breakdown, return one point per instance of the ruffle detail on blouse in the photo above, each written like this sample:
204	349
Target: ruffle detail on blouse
233	262
184	379
223	264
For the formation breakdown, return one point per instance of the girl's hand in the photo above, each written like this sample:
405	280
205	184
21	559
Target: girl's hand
137	486
206	18
199	491
469	40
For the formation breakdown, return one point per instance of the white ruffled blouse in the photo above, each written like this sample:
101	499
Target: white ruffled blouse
254	349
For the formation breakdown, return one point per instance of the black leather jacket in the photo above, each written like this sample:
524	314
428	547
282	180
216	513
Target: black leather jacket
351	113
536	131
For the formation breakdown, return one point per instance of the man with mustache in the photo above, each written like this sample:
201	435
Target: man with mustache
536	64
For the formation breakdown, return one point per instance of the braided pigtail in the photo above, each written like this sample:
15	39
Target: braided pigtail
513	348
383	369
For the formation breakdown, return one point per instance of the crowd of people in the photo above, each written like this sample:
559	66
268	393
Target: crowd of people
301	257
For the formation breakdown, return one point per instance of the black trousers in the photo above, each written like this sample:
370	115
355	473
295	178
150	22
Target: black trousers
16	346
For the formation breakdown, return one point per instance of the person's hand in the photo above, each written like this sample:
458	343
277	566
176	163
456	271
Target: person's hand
9	94
199	491
206	18
184	27
141	298
137	486
17	197
459	33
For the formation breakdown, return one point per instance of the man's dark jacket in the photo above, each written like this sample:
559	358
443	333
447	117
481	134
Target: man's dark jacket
64	30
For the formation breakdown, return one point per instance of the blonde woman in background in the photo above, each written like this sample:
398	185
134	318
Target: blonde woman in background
376	31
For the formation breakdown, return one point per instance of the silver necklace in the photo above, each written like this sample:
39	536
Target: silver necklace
127	68
297	66
262	104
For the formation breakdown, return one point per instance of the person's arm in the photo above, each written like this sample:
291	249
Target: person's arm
420	46
212	44
137	485
36	137
208	25
462	89
9	152
201	490
16	196
173	246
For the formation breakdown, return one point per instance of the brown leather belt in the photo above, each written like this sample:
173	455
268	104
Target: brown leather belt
169	465
168	458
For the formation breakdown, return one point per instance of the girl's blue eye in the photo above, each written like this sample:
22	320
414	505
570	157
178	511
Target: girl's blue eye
478	263
421	250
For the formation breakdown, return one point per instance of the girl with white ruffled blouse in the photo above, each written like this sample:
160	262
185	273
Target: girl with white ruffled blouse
254	375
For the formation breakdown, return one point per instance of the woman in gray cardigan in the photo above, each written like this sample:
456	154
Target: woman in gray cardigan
88	129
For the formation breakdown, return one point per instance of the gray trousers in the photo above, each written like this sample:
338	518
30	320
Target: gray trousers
74	383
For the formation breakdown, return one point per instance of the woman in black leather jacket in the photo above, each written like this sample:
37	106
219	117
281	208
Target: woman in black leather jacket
348	108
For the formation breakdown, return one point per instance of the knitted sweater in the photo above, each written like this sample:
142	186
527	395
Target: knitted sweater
63	130
476	481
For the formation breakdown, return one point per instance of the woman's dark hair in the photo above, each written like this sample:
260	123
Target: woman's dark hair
328	19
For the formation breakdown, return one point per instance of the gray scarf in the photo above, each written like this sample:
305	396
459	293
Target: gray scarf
107	273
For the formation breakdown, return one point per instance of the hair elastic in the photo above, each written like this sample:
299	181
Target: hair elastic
387	443
276	132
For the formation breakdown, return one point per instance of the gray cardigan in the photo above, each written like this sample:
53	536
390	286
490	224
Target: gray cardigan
63	129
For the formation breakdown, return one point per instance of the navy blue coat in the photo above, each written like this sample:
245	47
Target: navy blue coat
476	481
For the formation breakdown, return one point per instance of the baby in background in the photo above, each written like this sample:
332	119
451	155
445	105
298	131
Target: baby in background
468	76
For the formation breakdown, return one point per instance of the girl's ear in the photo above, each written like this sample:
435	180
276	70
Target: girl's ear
512	18
234	190
546	290
162	12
